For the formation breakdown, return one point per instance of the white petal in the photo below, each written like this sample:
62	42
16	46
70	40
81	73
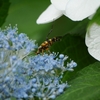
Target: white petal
60	4
80	9
93	40
49	15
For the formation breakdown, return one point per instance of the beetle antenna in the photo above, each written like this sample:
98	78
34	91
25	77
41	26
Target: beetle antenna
49	32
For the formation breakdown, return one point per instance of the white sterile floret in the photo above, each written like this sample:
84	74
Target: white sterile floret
81	9
76	10
46	17
93	40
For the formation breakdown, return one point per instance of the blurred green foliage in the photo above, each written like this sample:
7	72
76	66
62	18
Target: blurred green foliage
4	7
24	13
96	17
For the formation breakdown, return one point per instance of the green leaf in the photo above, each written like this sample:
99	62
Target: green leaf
75	48
4	7
86	86
64	25
96	17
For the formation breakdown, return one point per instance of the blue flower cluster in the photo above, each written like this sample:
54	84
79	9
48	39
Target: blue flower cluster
26	77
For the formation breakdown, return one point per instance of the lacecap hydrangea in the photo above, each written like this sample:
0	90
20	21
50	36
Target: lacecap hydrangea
25	76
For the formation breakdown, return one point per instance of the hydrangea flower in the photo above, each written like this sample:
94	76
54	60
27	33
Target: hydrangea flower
74	9
93	40
23	76
13	48
47	82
